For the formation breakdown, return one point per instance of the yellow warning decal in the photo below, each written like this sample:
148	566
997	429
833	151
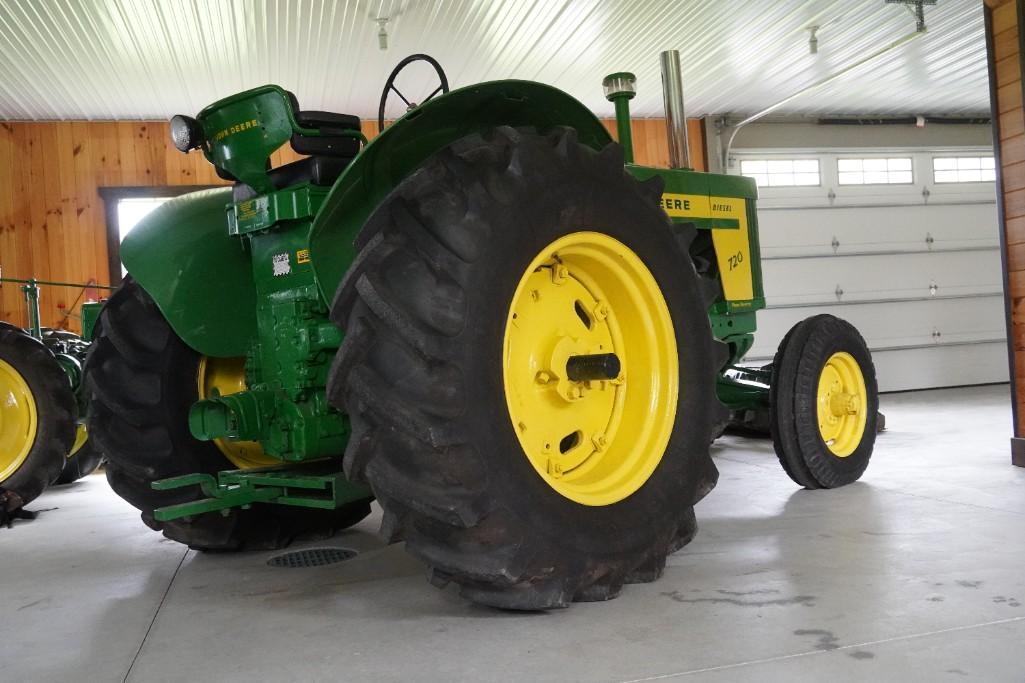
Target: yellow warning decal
733	249
247	210
302	256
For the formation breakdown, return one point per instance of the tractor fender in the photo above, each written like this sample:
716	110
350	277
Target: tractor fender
199	276
411	140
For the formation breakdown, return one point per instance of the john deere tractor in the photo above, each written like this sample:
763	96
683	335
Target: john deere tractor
43	438
488	318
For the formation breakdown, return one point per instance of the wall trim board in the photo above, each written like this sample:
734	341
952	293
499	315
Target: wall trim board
1001	219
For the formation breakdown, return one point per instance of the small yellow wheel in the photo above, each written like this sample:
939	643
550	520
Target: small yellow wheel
842	401
823	403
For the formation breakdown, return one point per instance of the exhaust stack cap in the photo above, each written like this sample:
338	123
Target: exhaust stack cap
621	84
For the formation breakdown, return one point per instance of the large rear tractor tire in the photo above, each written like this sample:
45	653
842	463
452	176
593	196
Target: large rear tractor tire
529	370
142	380
823	403
37	414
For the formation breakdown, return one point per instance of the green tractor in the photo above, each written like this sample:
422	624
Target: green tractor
489	319
43	438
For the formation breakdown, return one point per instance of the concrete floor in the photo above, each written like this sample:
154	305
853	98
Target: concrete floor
916	573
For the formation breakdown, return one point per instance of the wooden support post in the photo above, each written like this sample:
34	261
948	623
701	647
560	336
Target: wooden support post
1006	58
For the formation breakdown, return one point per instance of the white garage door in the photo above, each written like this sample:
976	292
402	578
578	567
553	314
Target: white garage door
901	243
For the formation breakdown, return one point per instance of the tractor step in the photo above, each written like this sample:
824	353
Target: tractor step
312	486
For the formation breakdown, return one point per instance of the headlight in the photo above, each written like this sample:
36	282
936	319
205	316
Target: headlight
186	133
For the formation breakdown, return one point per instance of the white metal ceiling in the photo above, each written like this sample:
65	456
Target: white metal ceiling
106	59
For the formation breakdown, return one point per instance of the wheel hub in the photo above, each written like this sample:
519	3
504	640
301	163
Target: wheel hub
18	420
223	377
841	401
586	315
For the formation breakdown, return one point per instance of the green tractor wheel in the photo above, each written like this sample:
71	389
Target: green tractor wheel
141	381
824	403
37	414
527	364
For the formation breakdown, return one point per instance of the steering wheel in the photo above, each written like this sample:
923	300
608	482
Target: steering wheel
390	85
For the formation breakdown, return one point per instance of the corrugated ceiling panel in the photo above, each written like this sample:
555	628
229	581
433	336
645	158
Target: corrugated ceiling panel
101	59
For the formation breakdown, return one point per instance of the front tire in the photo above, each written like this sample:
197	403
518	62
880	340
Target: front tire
424	373
823	403
142	380
37	414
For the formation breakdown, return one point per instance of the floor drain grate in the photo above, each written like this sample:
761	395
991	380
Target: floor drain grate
312	557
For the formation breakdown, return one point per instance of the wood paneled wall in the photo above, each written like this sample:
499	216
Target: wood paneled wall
1005	54
52	219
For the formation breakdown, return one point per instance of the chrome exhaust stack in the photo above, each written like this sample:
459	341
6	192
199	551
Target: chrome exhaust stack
676	119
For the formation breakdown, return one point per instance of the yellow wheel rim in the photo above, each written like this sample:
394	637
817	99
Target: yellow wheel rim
594	442
223	377
81	436
842	404
19	420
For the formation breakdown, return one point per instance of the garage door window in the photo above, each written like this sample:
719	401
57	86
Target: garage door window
888	171
782	172
963	169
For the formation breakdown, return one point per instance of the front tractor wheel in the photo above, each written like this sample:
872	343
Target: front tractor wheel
529	370
823	403
142	380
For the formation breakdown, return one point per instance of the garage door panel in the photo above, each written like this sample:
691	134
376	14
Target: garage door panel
802	232
941	366
865	278
889	325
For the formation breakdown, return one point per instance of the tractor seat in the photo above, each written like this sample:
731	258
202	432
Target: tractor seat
326	119
331	142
